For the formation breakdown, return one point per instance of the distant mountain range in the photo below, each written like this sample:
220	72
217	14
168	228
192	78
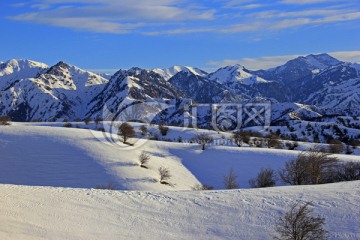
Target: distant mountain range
311	86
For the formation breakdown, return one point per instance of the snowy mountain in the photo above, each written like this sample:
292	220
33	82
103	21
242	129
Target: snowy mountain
128	87
202	89
168	73
61	91
13	70
336	87
34	91
298	68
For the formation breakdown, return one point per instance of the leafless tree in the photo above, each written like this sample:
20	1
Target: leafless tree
144	159
204	139
299	224
230	180
164	174
265	178
126	131
310	167
5	120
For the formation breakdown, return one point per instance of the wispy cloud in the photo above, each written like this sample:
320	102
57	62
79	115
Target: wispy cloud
304	2
171	17
273	61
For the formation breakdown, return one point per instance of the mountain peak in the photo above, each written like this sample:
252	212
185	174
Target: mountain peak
168	73
235	73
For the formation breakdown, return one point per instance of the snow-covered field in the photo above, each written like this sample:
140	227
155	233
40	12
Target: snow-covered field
69	162
61	213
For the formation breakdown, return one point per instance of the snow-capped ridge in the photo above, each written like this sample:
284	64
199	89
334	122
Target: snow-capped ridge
168	73
236	73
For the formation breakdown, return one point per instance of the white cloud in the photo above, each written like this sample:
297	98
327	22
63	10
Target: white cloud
84	24
304	2
351	56
171	17
274	61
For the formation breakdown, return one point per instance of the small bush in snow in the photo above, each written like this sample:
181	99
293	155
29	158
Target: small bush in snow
299	224
204	139
202	187
143	129
230	180
349	171
241	137
87	121
126	131
265	178
5	120
163	129
335	146
97	121
291	145
144	159
349	150
109	186
68	125
273	141
164	175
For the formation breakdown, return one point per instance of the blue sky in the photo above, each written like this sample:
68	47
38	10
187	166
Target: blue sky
103	35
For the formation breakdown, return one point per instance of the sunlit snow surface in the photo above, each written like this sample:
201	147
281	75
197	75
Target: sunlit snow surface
35	155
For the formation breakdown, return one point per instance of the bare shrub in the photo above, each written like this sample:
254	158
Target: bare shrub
97	121
265	178
349	171
144	159
68	125
5	120
163	129
230	180
204	139
335	146
202	187
273	141
291	145
126	131
299	224
310	167
164	175
109	186
87	120
143	130
241	137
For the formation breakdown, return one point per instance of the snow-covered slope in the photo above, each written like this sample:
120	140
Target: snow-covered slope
168	73
337	87
71	157
59	213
